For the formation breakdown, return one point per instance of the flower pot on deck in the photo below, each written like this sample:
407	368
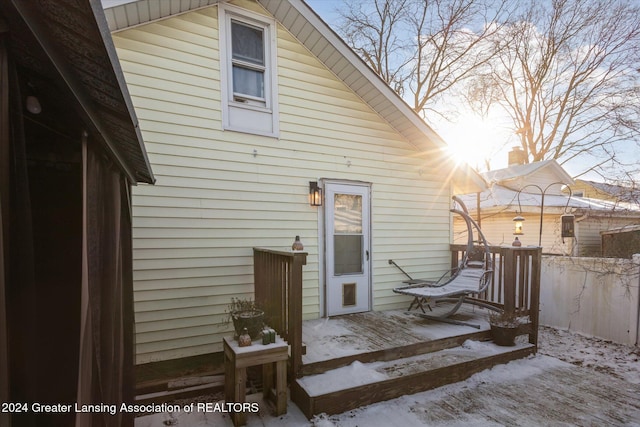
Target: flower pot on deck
252	320
504	335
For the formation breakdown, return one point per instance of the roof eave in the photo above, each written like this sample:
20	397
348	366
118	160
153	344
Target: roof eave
114	126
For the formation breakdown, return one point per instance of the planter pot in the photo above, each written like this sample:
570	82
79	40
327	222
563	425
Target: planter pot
504	335
253	320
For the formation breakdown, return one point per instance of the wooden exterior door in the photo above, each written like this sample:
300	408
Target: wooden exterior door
347	240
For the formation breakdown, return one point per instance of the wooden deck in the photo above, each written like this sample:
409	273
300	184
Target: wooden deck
360	334
323	347
383	355
536	391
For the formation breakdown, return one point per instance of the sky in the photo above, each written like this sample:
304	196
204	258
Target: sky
470	137
461	130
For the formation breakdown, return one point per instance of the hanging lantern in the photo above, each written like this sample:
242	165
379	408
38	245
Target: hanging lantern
568	228
315	194
517	222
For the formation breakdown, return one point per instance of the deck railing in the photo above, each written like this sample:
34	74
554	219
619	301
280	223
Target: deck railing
515	285
278	290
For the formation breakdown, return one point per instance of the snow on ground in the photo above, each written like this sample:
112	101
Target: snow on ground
557	350
621	361
407	410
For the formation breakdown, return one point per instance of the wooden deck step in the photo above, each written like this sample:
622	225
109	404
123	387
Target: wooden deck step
360	384
382	336
393	353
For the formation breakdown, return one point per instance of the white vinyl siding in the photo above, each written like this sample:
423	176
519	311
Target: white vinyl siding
588	232
498	228
219	194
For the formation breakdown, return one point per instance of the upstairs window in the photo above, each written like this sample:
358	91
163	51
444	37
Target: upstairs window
248	63
248	71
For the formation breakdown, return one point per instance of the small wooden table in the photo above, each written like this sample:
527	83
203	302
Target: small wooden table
236	361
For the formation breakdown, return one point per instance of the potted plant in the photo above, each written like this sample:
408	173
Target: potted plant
504	327
244	313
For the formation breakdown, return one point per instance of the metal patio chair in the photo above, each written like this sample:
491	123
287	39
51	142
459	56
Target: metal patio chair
471	277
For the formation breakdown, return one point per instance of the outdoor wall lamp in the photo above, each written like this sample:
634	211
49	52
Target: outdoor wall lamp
315	194
569	220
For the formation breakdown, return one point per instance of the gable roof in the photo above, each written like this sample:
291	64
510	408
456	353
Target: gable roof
308	28
502	196
505	199
69	43
524	171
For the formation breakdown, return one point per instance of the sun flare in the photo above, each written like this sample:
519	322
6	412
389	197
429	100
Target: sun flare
471	140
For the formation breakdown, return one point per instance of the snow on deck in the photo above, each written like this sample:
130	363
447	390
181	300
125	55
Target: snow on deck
536	391
357	374
339	336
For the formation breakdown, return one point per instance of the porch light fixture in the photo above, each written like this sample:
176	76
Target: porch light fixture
315	194
517	226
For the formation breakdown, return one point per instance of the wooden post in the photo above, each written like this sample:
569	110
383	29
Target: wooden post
295	312
278	289
534	310
510	261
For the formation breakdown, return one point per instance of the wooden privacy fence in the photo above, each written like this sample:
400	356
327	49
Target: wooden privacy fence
515	285
278	291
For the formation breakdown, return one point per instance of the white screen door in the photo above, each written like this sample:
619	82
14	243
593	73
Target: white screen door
347	219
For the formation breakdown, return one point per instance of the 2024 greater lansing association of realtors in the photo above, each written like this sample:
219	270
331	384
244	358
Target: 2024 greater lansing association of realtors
13	407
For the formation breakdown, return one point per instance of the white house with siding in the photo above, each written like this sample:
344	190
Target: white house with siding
527	190
242	104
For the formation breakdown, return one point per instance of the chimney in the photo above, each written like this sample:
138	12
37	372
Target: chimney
517	156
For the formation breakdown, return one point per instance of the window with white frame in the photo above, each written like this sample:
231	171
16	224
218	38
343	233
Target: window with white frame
247	62
247	71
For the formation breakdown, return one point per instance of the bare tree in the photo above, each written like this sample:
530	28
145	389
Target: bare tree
423	48
371	29
567	75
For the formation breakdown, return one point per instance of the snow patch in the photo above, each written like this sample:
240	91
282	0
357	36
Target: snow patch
354	375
